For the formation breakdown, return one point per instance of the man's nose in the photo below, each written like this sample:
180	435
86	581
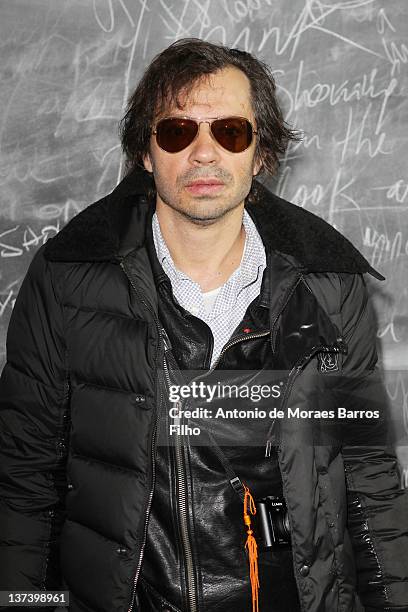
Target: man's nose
204	149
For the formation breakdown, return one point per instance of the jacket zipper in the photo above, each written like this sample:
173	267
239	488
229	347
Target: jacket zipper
232	343
182	506
181	477
152	448
181	487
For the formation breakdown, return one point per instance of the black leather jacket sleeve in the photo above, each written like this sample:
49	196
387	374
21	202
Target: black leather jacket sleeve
377	507
33	397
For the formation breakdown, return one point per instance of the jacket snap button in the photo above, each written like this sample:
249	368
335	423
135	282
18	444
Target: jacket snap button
304	570
141	400
121	550
70	486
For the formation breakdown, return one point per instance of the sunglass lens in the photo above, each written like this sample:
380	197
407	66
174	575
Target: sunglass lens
233	133
175	134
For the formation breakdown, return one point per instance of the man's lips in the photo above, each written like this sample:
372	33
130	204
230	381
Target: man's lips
204	186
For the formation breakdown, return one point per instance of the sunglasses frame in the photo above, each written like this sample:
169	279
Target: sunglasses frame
199	121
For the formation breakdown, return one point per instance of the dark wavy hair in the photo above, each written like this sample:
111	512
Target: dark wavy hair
177	69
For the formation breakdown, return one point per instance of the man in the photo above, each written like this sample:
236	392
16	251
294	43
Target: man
191	270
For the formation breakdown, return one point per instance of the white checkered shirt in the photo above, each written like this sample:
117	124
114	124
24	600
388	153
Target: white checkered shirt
234	297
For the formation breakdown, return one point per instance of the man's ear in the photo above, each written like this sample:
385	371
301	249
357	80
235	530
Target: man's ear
257	165
147	162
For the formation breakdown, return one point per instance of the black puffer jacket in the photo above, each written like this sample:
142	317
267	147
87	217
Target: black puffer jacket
79	400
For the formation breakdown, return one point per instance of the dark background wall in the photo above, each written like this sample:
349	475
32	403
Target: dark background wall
67	68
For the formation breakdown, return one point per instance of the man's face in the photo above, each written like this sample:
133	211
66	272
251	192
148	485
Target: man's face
179	176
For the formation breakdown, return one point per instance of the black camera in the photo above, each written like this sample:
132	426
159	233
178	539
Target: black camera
272	522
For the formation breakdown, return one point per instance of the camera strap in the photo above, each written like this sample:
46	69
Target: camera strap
234	480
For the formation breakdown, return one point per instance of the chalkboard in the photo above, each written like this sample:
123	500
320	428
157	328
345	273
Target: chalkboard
67	69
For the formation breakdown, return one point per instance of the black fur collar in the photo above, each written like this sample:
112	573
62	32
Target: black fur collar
116	224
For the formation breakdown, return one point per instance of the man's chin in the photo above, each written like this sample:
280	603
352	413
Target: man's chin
205	215
205	210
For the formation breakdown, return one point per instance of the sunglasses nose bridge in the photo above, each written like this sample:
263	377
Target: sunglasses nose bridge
199	126
207	133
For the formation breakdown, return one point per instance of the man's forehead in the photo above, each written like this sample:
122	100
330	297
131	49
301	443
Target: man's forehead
227	89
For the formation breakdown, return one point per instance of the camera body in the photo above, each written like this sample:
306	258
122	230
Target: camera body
272	522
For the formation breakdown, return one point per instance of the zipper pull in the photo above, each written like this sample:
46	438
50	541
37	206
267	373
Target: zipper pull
166	340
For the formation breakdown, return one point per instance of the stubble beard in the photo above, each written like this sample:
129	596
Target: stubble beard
204	210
